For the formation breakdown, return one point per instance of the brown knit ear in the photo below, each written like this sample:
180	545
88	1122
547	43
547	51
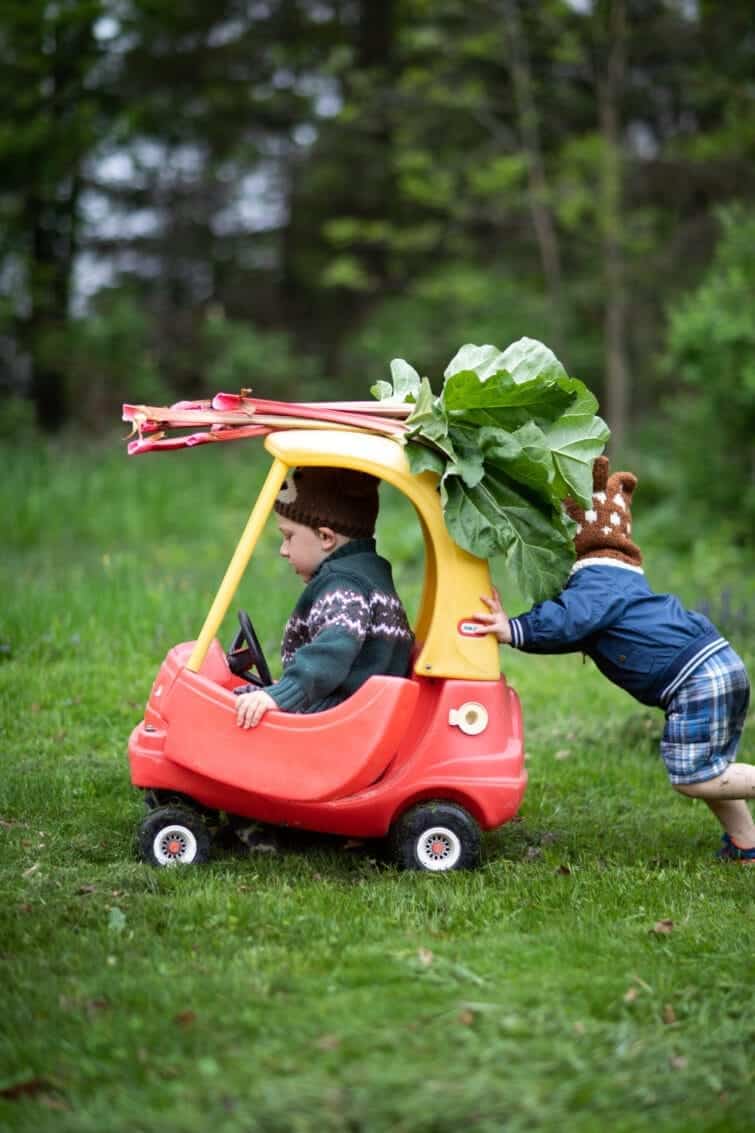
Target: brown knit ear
600	474
625	482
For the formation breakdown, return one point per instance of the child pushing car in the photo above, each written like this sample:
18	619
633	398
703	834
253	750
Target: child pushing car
349	623
652	647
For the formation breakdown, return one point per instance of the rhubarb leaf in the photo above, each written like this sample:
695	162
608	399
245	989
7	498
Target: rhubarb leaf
524	454
575	442
530	360
405	387
466	392
422	458
496	518
510	437
469	460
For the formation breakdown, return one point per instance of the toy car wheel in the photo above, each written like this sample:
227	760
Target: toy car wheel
155	798
172	836
436	836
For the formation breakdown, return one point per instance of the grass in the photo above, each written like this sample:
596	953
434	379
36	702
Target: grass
319	989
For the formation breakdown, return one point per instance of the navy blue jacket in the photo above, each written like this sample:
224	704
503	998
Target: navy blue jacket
646	643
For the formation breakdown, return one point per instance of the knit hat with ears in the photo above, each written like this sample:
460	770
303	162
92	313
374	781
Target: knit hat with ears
604	530
339	498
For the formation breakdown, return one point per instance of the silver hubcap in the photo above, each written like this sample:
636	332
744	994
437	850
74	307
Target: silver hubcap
174	844
438	848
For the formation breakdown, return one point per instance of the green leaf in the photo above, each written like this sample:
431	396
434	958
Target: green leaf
484	361
422	458
429	423
510	436
575	442
465	393
540	570
585	402
406	380
381	390
528	360
428	416
468	462
406	383
496	518
525	360
524	455
473	518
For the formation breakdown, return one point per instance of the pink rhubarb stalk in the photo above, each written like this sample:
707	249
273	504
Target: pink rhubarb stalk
234	416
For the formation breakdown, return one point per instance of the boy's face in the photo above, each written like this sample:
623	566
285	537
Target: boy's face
304	547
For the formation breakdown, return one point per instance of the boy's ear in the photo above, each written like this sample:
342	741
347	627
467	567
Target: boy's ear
328	538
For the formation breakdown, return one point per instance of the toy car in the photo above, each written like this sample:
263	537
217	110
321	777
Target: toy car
427	761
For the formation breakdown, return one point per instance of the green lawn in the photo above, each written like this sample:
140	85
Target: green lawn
595	974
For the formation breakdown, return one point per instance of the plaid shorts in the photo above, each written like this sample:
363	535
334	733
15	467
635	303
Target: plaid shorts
705	718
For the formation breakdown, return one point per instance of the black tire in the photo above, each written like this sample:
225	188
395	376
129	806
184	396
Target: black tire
173	835
435	836
154	798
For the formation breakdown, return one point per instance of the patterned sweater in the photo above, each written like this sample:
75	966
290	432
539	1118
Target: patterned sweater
348	625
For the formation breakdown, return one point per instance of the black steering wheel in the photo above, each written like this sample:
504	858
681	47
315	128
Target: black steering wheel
246	654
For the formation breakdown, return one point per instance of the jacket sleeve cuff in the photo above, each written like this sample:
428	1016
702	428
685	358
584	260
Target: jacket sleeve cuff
517	633
288	695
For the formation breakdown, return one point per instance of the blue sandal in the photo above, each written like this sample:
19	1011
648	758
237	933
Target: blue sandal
731	852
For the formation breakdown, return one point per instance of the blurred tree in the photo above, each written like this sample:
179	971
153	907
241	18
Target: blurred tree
528	124
54	107
710	364
238	355
365	180
106	351
218	98
610	79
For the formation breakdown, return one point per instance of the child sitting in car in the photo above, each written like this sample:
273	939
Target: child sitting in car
349	623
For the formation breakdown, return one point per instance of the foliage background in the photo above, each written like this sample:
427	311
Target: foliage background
287	194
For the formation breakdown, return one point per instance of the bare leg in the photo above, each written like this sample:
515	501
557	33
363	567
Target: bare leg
736	782
725	796
734	815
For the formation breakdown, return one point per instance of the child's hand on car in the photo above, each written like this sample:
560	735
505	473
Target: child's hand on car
252	706
496	620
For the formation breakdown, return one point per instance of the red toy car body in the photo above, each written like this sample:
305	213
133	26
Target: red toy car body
429	760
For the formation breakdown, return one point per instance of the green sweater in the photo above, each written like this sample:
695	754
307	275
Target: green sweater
348	625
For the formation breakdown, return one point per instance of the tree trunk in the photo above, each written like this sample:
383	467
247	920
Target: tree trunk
370	195
52	229
51	209
610	87
529	132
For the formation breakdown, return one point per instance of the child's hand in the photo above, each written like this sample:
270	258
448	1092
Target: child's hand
252	706
496	621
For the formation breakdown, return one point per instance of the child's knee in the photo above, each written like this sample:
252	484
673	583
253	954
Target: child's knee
705	786
737	781
691	790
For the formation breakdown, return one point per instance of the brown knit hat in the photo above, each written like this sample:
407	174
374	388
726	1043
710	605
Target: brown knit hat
339	498
603	531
